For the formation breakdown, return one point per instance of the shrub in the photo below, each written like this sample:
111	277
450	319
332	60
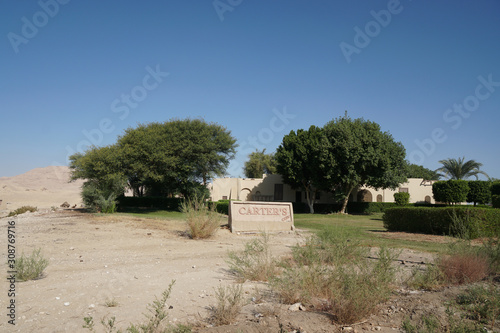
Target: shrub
402	198
100	195
463	268
22	210
222	206
495	188
450	191
255	263
479	192
481	303
30	267
202	221
330	274
479	222
229	302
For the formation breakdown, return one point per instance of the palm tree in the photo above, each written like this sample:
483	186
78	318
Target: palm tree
457	169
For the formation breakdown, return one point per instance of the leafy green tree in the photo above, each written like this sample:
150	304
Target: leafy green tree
298	161
171	157
418	171
358	153
459	169
451	191
104	180
259	163
178	156
479	192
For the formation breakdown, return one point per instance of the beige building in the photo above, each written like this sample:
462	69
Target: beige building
272	188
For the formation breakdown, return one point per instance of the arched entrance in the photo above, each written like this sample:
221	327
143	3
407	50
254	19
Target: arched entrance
364	196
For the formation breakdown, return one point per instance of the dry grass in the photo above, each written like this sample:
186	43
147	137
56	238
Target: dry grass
202	221
464	268
30	267
228	306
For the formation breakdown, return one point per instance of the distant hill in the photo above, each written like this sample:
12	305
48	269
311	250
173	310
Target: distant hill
40	187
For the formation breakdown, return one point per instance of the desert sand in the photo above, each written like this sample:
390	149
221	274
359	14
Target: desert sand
42	187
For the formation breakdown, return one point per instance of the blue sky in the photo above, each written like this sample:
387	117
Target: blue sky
80	72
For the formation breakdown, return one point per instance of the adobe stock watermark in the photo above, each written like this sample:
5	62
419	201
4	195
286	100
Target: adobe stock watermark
264	136
223	6
120	106
30	27
373	28
454	116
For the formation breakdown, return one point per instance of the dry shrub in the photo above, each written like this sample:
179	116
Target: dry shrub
255	263
228	307
464	268
202	221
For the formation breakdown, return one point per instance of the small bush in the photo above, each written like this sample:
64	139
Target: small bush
228	307
429	279
495	201
22	210
402	198
30	267
424	325
481	303
463	268
255	263
202	221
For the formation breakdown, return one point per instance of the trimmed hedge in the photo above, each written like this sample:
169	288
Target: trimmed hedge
352	207
438	221
450	191
221	206
172	204
479	192
402	198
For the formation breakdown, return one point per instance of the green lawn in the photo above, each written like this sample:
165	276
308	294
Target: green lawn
367	229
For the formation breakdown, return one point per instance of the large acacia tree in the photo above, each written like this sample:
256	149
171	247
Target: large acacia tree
177	156
298	161
358	153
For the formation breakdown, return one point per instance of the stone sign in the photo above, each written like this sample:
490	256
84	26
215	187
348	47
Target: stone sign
260	216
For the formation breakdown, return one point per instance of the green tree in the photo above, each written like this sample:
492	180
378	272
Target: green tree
418	171
174	156
459	169
479	192
298	161
178	156
451	191
259	163
358	153
104	180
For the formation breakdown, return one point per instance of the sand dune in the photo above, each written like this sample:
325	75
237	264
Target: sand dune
41	187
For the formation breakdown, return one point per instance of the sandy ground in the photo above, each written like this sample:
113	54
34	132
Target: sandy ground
94	259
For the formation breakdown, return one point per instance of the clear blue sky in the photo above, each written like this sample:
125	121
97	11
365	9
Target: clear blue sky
77	69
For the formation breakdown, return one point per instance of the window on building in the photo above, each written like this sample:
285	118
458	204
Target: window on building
224	197
278	191
403	189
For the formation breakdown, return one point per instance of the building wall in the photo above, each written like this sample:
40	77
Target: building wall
267	187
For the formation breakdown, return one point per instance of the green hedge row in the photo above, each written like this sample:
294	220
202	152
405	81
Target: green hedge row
164	203
484	222
352	207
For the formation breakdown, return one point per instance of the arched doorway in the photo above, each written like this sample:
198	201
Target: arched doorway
245	194
379	198
364	196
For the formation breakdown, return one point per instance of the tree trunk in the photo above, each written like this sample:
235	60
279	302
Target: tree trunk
310	202
346	199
